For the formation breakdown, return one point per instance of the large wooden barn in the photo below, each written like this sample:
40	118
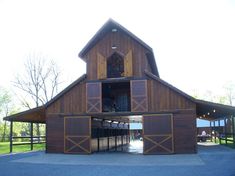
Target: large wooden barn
122	85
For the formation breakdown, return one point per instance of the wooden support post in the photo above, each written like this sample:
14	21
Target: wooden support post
98	139
122	141
214	131
115	140
233	132
219	132
31	136
11	135
127	137
225	130
108	138
211	131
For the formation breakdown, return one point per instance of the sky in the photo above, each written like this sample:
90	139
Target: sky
193	41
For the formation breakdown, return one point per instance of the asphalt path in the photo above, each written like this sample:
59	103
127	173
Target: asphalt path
210	160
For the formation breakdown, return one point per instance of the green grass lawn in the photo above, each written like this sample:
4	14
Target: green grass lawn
5	147
229	143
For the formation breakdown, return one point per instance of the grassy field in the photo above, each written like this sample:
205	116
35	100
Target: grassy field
5	147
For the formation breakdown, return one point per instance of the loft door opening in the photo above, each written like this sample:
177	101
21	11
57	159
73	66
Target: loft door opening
116	97
115	66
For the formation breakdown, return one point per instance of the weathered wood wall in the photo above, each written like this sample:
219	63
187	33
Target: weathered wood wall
185	132
124	44
74	101
162	98
54	134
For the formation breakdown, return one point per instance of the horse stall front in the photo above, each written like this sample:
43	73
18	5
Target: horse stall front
108	135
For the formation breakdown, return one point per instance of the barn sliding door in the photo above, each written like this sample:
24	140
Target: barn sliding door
139	98
94	97
158	134
77	135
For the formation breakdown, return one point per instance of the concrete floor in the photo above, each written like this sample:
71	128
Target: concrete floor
134	147
210	160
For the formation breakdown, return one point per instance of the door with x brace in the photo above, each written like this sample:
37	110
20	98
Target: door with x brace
158	135
139	98
94	97
77	135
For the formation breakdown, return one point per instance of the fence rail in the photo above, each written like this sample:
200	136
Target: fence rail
31	141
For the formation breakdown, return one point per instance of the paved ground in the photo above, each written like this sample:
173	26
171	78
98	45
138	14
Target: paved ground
210	160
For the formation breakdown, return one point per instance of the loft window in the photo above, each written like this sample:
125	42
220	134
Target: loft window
115	66
116	97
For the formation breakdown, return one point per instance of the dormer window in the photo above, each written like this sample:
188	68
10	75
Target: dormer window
115	66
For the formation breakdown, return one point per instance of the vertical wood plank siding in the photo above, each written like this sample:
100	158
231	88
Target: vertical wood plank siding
124	44
185	132
55	134
162	98
74	101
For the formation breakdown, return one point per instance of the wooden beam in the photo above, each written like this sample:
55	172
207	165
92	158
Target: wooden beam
233	128
214	131
225	130
11	132
115	142
219	132
98	139
31	136
122	141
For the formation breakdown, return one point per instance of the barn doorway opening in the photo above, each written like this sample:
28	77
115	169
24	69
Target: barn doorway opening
115	66
117	134
136	138
116	97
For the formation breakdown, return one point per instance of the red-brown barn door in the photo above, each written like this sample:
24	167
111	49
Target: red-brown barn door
77	135
94	97
158	134
139	99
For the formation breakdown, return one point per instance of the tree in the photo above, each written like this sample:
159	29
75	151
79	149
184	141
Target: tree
7	107
39	82
230	92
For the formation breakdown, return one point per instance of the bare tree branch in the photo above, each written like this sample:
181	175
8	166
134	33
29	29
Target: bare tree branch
40	80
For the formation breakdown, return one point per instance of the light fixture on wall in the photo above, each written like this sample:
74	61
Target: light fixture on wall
114	30
114	47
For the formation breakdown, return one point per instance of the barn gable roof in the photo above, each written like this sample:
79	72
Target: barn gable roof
107	27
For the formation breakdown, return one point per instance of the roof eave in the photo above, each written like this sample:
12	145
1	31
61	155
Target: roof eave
19	116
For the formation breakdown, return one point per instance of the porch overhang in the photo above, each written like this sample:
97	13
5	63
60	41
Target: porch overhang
35	115
213	111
